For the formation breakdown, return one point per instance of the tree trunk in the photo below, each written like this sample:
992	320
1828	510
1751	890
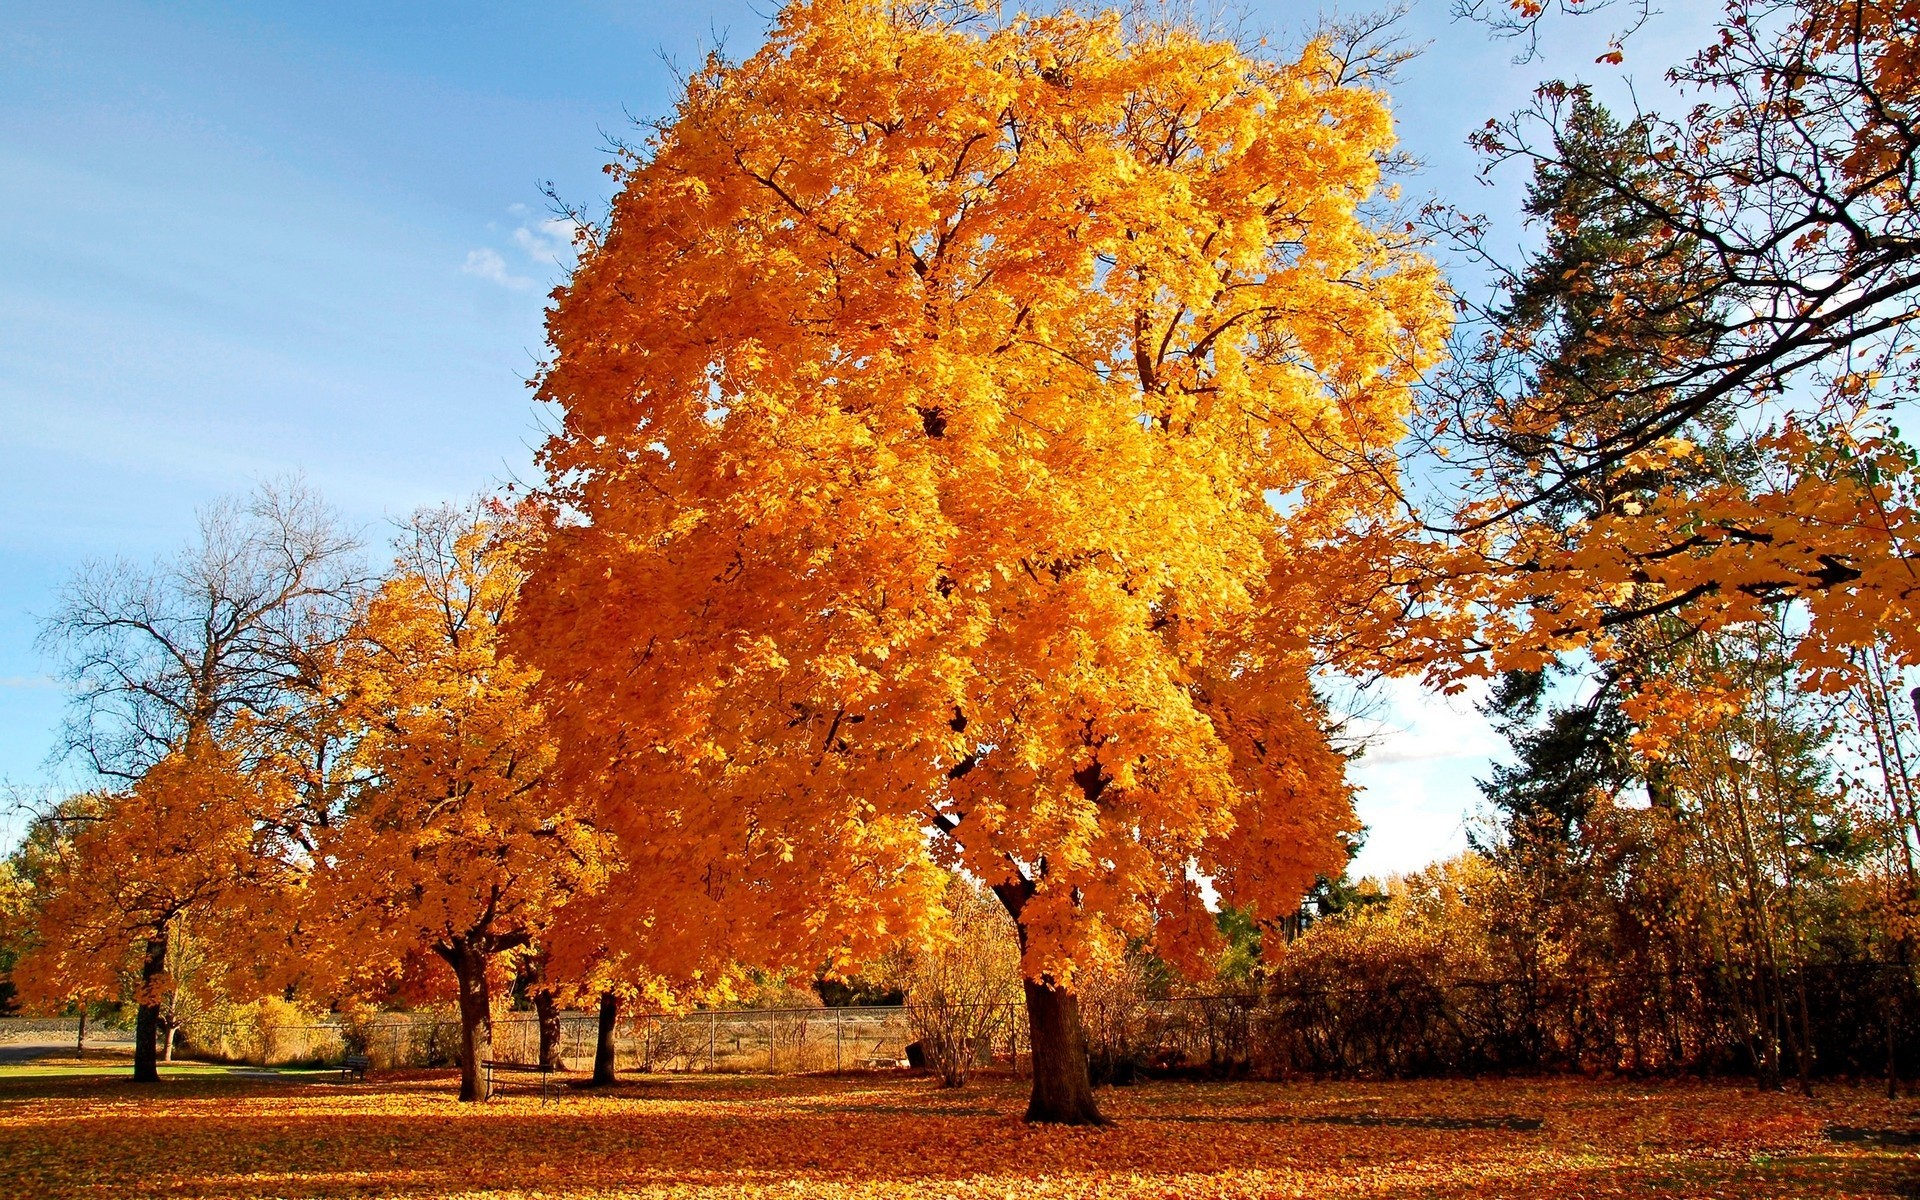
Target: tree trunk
603	1045
1062	1088
476	1017
146	1028
549	1011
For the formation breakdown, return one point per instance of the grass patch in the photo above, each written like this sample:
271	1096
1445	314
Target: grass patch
107	1068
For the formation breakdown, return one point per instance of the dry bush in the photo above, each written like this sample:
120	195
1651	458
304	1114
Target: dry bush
961	986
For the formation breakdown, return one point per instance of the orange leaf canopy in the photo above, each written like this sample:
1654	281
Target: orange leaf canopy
977	431
183	839
457	836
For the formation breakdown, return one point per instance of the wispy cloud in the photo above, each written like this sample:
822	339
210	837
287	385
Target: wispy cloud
1420	725
486	263
548	241
545	245
28	681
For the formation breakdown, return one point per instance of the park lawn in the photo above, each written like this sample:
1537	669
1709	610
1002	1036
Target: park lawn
110	1066
754	1136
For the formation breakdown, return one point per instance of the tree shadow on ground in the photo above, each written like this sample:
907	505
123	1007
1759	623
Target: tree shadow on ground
1874	1137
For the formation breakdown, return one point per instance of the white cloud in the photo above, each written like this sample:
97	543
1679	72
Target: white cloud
1416	780
487	264
1420	724
547	242
1415	814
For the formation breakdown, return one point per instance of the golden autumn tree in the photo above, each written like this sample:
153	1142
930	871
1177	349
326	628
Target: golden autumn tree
457	842
980	429
120	870
186	670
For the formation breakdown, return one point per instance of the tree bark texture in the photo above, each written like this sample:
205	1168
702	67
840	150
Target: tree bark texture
603	1044
476	1017
146	1028
1062	1088
548	1010
1062	1084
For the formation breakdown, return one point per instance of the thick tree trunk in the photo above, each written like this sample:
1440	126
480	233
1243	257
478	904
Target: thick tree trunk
1062	1086
146	1027
603	1044
476	1017
549	1011
1062	1089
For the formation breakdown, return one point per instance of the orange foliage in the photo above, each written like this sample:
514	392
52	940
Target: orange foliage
456	837
982	430
1765	295
1826	528
126	865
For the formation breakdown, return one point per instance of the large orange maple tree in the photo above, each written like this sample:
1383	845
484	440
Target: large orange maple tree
976	433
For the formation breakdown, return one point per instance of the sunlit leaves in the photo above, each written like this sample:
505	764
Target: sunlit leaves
922	402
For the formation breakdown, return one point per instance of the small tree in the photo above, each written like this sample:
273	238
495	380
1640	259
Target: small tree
185	668
121	870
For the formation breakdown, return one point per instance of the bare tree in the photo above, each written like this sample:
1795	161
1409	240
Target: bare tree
227	628
213	655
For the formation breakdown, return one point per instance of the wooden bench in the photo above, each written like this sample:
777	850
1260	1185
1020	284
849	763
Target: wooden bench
354	1066
492	1065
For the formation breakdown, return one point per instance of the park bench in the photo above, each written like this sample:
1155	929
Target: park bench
491	1066
354	1066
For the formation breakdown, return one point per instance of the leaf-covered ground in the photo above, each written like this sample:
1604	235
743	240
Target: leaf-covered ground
205	1136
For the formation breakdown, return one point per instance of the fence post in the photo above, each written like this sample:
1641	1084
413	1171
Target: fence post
713	1021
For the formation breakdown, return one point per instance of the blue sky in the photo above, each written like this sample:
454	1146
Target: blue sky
244	240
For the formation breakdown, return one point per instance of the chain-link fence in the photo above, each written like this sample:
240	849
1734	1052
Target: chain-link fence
1862	1020
733	1040
60	1033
